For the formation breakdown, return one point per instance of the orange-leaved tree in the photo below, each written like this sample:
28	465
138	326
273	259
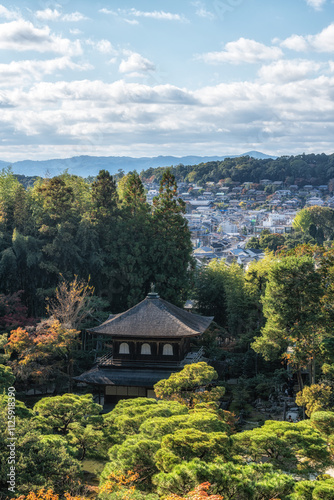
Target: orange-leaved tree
44	494
43	353
201	492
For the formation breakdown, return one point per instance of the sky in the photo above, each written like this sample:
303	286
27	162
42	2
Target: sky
148	78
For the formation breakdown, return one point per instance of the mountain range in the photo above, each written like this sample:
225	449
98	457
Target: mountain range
85	166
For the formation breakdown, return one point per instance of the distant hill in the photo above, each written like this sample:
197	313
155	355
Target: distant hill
85	166
314	169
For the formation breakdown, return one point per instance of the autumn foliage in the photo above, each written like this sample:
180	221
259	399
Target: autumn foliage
121	483
41	353
201	492
12	312
48	495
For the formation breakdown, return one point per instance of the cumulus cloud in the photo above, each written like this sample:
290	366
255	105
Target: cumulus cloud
103	46
21	73
321	42
8	14
74	17
288	70
55	15
22	36
316	4
48	14
242	51
136	63
95	114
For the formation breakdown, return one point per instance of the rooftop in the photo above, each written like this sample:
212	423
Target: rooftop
154	317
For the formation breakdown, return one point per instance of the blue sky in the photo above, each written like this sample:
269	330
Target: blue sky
148	78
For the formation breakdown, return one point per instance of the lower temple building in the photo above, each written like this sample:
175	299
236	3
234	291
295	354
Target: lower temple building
147	343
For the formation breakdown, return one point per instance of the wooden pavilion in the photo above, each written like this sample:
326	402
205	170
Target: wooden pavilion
147	343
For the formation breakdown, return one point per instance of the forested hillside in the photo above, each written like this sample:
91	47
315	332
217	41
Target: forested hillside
65	226
303	169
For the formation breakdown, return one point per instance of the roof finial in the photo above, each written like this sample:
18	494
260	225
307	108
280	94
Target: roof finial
153	294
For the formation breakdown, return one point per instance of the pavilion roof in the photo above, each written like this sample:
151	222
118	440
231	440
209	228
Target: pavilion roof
127	377
154	317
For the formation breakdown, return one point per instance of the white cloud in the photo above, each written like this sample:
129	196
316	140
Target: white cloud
21	73
8	14
316	4
108	11
242	50
130	16
74	17
48	14
55	15
155	14
91	115
201	11
103	46
24	36
321	42
285	71
136	63
131	21
160	15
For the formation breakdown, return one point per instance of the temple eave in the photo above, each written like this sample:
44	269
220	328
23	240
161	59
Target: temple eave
124	377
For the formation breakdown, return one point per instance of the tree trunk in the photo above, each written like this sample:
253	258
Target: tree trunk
311	368
300	380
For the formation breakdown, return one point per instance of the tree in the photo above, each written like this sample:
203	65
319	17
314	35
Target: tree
12	312
167	203
129	416
219	291
61	411
291	305
133	194
57	198
120	486
253	242
9	186
43	353
210	295
40	460
293	448
44	494
323	421
45	461
87	439
322	489
316	221
186	444
256	278
191	385
316	397
6	377
104	194
72	303
199	492
170	244
231	480
272	241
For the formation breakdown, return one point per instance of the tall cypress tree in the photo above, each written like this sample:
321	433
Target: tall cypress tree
170	251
